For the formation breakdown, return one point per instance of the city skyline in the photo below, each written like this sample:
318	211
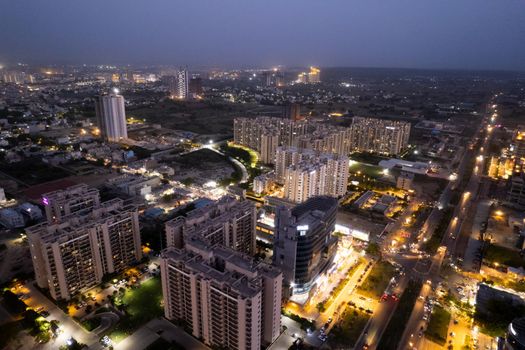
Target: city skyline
260	175
409	34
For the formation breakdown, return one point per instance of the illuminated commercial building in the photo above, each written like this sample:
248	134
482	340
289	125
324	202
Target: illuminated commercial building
228	222
72	200
111	116
221	296
303	243
74	255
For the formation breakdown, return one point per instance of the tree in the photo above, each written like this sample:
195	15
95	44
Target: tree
320	307
12	303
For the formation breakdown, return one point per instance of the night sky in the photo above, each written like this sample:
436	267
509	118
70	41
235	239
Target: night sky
471	34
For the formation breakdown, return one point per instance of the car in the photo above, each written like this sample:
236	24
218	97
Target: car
39	309
44	313
452	334
456	321
330	320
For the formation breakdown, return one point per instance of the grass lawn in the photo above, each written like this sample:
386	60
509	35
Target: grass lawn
368	170
91	324
438	326
504	256
349	328
202	158
33	171
377	280
142	304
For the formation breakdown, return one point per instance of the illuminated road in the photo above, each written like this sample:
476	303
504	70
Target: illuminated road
377	324
384	311
413	332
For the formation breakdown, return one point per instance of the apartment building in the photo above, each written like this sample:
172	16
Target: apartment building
306	173
74	254
72	200
265	134
381	136
222	296
228	222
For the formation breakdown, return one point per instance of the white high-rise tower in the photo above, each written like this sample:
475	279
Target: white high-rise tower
182	84
111	116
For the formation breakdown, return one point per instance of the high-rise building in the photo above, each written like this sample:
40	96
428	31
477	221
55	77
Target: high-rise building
518	144
404	180
74	255
72	200
304	246
227	221
379	135
324	138
221	296
267	78
516	194
183	91
111	116
302	78
314	75
306	173
311	77
195	85
292	111
269	144
171	82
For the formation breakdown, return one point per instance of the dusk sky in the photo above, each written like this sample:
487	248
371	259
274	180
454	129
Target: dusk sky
471	34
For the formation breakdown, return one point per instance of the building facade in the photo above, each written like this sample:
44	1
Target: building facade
374	135
72	200
304	246
228	222
306	173
381	136
222	296
72	256
183	91
111	115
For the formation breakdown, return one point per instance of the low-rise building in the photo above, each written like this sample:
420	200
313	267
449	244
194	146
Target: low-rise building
11	218
404	180
135	186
